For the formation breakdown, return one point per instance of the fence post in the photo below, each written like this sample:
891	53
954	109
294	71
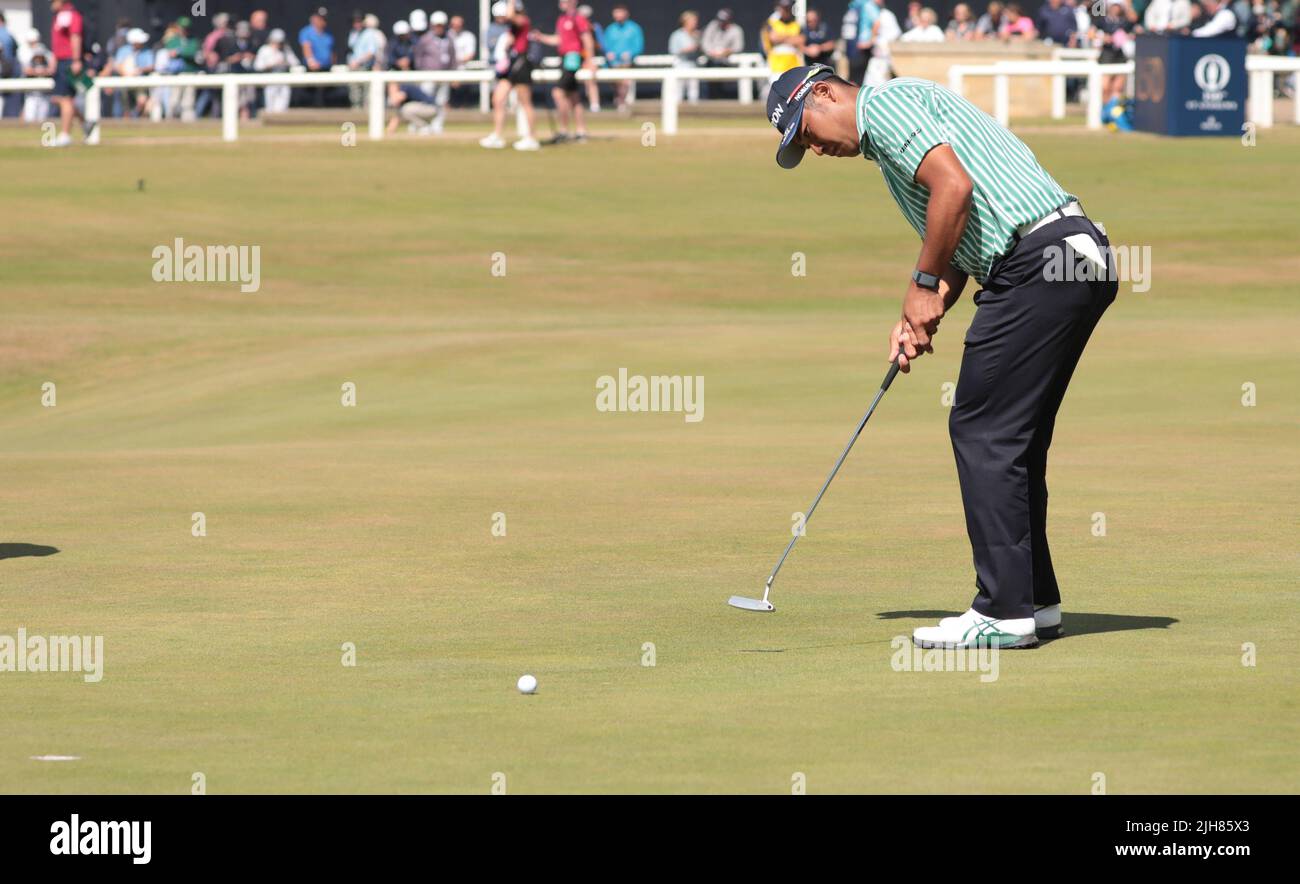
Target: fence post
671	95
229	111
377	99
1094	98
956	80
745	88
1260	98
521	119
93	109
1058	96
1002	98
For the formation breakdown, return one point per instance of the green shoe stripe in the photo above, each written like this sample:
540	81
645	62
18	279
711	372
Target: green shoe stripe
988	634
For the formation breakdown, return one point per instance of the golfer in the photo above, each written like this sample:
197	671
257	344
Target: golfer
986	209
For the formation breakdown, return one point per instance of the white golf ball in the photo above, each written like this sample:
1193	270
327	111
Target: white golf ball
527	684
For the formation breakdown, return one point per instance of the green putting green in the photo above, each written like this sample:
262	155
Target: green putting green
621	534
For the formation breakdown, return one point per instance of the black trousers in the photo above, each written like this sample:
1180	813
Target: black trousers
1021	350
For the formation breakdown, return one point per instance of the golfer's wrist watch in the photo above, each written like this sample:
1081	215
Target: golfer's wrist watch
926	280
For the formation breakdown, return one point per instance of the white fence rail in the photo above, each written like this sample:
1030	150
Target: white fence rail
1261	71
739	59
377	82
1259	68
1002	72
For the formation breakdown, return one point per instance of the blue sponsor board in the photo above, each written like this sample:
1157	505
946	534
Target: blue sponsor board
1190	85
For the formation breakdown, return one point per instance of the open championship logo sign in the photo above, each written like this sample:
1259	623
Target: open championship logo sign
1212	73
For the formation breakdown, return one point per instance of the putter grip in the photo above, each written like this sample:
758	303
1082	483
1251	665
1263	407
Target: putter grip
889	378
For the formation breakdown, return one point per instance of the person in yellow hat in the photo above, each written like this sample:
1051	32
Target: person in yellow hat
783	39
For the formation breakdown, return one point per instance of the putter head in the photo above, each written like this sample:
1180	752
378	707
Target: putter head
739	601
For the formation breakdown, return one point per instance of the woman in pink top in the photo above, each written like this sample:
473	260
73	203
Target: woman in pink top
1016	25
514	70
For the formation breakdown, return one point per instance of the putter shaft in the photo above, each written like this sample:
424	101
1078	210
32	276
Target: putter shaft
889	379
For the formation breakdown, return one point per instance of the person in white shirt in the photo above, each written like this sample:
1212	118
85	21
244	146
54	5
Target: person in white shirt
927	29
1222	21
1167	15
36	61
883	34
466	45
465	41
275	56
1082	19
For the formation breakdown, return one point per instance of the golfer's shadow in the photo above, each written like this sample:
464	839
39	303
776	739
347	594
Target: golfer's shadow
1071	623
22	550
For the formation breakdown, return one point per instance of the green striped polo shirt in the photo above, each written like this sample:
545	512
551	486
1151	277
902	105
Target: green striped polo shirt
898	124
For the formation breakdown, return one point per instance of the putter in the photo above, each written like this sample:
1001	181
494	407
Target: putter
763	604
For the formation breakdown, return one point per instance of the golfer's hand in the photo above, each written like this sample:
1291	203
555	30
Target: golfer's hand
902	346
922	310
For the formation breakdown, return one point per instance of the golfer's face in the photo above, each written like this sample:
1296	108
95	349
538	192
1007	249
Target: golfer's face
817	134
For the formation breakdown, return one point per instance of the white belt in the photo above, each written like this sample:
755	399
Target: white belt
1069	210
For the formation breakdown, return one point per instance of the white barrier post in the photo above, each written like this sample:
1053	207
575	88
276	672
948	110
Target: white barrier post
1058	96
377	98
92	111
1261	98
1252	97
956	82
745	86
1094	100
484	54
229	111
1002	98
671	95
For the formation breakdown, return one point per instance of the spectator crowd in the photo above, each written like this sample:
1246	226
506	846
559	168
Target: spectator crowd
861	38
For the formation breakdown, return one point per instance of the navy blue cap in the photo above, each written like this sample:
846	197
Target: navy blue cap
785	108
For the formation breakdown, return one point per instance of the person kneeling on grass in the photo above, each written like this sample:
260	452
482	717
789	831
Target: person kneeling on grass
417	107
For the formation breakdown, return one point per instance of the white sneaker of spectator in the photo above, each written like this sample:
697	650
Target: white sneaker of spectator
527	143
496	142
63	140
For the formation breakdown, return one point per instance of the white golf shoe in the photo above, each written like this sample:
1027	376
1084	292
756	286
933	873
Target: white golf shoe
1047	621
492	142
973	629
527	143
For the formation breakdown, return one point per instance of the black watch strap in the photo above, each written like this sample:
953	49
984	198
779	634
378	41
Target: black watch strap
926	280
